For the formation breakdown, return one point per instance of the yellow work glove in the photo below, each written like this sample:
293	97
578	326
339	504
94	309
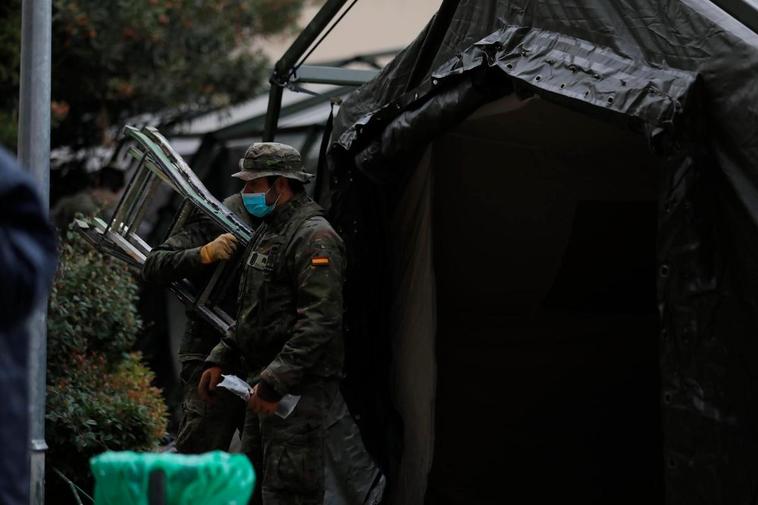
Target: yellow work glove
220	249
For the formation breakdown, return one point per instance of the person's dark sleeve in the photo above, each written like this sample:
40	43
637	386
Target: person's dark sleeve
27	263
225	354
317	261
27	243
179	256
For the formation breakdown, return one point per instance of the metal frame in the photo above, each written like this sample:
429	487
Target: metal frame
256	124
744	11
157	163
281	74
317	74
34	155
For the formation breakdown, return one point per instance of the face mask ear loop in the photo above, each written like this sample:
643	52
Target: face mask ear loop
278	195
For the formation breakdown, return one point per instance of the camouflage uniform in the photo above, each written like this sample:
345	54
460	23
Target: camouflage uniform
68	207
203	427
289	324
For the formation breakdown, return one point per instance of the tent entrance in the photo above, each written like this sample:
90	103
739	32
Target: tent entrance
544	239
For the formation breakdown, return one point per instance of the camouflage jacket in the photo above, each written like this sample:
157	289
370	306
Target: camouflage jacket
289	316
179	258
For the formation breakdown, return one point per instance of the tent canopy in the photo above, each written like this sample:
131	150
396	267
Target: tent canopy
678	77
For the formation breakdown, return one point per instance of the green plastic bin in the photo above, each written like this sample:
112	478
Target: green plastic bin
215	478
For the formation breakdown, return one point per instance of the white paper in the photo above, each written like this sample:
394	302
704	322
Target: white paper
242	389
236	386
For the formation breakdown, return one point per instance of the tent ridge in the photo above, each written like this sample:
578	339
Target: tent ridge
550	64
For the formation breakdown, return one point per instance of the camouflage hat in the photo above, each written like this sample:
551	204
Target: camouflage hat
264	159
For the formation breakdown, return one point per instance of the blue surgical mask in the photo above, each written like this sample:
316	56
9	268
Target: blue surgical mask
255	203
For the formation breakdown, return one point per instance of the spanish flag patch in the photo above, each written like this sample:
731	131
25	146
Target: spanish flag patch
320	261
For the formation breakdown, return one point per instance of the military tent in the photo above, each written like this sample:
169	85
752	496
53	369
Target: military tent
551	208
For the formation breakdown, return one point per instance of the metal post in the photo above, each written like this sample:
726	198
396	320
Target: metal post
34	155
745	11
272	114
284	66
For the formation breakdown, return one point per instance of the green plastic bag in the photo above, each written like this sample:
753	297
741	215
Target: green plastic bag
215	478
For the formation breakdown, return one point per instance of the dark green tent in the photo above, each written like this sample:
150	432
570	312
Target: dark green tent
552	213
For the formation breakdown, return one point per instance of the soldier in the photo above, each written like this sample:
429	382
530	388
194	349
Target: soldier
190	253
289	323
99	198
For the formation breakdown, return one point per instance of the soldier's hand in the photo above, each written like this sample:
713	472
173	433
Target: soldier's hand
220	249
208	382
259	405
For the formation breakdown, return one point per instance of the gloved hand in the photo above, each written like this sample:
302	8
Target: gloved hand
208	382
220	249
259	405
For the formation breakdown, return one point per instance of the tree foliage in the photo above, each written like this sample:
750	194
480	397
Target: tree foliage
118	58
92	306
10	57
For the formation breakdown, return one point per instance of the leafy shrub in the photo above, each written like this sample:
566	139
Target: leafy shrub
92	306
99	393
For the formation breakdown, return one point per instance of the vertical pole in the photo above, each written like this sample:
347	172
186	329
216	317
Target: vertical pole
272	114
283	67
34	155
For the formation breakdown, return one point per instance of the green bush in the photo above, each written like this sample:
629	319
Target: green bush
92	306
100	395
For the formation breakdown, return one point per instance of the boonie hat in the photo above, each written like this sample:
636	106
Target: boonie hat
264	159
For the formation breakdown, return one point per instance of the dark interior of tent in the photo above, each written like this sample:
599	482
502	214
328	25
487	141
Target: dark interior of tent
544	242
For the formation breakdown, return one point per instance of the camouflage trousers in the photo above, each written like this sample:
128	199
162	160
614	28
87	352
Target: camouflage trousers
210	427
206	427
292	471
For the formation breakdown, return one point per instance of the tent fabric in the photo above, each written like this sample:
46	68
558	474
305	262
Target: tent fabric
547	316
680	73
412	334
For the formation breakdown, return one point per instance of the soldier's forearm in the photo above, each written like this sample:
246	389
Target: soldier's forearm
298	357
169	266
224	355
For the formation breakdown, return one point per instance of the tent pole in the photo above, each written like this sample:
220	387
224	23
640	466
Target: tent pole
272	114
287	62
745	11
34	155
